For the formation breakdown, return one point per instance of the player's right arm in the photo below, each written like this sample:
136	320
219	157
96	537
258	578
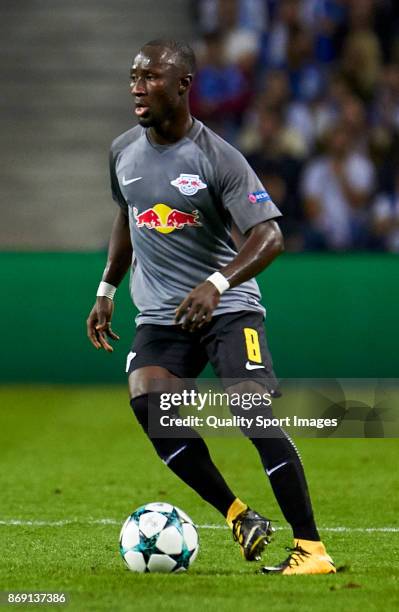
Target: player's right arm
119	259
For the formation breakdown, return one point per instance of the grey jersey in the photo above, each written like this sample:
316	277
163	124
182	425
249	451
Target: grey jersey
184	201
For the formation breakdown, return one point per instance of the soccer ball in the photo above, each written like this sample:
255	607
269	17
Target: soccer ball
158	537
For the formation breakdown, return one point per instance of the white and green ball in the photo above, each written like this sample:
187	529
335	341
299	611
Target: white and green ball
158	537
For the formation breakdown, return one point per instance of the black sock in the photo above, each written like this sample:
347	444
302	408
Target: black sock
283	465
189	458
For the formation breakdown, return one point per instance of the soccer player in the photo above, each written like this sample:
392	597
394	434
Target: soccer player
196	225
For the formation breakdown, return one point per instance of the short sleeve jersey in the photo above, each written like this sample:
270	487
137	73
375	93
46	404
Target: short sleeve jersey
184	201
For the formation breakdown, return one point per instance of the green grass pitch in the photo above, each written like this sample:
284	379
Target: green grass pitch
74	464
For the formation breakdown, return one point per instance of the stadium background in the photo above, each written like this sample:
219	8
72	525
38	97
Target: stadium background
65	97
74	461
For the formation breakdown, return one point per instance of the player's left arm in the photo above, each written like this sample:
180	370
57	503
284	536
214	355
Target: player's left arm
263	243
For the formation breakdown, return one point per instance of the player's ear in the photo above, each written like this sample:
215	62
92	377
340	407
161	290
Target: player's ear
185	83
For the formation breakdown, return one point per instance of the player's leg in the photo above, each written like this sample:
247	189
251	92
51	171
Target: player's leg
284	468
240	352
282	464
187	456
243	344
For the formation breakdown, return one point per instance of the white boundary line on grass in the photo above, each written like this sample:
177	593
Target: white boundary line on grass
109	521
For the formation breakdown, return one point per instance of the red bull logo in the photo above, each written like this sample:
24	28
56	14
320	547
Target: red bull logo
188	184
164	219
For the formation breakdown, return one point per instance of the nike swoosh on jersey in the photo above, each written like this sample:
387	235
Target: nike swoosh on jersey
252	366
128	181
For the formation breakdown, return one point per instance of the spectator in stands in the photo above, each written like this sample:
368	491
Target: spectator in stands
236	23
385	216
310	118
361	56
251	15
276	91
221	90
354	120
281	74
305	76
326	19
276	155
337	188
387	102
241	45
275	96
361	64
302	120
268	137
287	17
313	117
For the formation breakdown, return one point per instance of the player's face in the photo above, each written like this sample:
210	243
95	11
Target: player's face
156	85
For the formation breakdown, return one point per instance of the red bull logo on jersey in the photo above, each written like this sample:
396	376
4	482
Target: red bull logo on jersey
164	219
188	184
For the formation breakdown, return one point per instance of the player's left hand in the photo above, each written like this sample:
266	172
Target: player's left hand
197	308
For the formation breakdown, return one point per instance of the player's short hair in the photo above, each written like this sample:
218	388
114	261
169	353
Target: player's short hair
180	48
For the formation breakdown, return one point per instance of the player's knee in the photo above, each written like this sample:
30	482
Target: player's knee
153	379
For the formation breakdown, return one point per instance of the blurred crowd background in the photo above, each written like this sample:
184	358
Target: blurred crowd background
308	90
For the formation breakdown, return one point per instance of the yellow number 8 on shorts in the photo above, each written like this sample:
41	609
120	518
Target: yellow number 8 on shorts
252	344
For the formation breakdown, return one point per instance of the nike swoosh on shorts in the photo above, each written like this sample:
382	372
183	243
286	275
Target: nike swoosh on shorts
252	366
129	360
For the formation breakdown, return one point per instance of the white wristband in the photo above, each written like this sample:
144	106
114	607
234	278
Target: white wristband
106	290
221	283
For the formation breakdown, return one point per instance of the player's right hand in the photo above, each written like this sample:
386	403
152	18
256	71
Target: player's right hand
99	324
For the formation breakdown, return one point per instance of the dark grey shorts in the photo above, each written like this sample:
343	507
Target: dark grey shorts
235	345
